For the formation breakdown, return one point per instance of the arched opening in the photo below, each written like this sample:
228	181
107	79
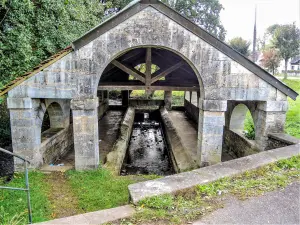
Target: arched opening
148	78
52	121
241	122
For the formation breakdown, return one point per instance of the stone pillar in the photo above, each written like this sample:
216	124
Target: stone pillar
210	131
103	103
125	98
26	117
168	100
269	118
86	138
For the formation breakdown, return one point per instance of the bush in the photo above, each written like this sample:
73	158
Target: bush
5	137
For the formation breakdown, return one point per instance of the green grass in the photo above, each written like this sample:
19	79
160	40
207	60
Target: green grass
95	190
99	189
189	205
14	203
292	125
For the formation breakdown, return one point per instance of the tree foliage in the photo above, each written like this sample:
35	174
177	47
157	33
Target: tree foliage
240	45
270	60
31	30
286	38
205	13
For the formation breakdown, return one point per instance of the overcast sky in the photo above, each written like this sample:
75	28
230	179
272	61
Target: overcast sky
238	15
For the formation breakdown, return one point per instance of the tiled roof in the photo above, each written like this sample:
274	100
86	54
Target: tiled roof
35	70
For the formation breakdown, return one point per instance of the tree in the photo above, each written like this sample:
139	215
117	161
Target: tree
270	60
31	31
286	38
240	45
205	13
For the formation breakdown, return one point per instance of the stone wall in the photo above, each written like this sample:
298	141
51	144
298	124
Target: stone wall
192	111
181	160
278	140
145	103
236	145
58	145
116	157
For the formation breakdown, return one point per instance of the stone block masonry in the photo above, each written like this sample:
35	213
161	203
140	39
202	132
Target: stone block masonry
86	138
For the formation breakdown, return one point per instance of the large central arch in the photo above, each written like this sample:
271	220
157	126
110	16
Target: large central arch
180	72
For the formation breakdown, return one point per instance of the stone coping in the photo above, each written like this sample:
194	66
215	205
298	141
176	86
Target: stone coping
177	182
284	138
98	217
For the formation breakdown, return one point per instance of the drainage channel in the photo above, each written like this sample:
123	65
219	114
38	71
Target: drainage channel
147	152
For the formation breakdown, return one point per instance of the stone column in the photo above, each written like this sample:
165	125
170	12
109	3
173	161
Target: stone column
269	118
103	103
86	138
125	98
210	131
168	100
26	117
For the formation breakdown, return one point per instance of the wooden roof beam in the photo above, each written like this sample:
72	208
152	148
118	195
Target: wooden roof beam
167	72
131	71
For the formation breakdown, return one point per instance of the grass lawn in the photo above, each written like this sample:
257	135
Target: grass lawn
292	125
189	205
13	204
91	191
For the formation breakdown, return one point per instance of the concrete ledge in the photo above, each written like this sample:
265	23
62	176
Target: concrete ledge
174	183
98	217
284	138
116	157
182	161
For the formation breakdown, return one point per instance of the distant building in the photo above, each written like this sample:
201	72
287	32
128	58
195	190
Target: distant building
295	63
293	66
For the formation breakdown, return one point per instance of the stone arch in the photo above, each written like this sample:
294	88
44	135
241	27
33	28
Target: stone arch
96	60
58	112
238	116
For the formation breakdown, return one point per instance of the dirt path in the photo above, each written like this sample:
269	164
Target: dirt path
63	201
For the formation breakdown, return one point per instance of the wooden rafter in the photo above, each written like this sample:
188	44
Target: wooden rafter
148	66
131	71
167	72
170	61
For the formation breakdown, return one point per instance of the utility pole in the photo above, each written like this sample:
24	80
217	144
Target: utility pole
254	55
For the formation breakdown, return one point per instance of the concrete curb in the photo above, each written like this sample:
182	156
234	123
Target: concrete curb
177	182
98	217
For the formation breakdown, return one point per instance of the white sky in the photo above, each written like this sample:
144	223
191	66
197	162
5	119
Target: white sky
238	16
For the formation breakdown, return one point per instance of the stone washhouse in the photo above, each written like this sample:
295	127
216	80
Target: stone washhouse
220	86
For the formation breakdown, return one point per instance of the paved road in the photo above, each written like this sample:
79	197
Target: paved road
278	207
